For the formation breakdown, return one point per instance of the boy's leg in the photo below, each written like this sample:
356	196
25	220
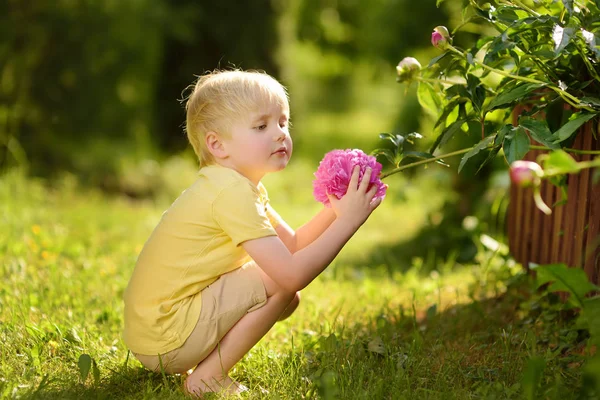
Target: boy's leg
241	338
291	307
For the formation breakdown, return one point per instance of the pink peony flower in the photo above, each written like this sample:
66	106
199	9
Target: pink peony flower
440	37
525	173
335	170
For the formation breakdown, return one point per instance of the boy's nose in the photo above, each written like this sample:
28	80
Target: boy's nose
281	135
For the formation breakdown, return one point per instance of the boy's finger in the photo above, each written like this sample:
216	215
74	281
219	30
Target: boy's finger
376	203
371	192
354	178
366	180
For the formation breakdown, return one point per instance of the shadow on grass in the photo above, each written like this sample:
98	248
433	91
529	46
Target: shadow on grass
125	382
476	350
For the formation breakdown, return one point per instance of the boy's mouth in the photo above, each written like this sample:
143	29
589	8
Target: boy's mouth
281	150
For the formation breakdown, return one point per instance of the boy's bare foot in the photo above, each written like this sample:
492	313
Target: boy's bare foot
197	385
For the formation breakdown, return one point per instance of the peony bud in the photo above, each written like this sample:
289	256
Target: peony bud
525	173
408	69
440	37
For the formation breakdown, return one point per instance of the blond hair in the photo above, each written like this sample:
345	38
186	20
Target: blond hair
219	97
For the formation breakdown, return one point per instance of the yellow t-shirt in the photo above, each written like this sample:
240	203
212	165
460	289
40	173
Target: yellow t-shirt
196	241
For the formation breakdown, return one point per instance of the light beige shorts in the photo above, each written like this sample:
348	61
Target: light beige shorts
224	303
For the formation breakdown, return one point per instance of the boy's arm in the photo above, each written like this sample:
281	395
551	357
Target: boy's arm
307	233
295	271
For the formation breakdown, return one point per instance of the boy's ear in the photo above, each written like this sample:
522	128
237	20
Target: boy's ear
214	144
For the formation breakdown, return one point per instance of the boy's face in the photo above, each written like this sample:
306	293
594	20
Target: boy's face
259	143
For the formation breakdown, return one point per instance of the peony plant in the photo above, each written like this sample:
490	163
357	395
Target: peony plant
536	62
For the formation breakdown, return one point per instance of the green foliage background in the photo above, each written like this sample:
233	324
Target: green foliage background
93	87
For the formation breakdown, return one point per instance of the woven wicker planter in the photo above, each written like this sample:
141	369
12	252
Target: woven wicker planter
571	234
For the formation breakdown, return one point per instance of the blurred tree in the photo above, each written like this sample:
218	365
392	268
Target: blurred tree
221	34
372	30
86	82
75	74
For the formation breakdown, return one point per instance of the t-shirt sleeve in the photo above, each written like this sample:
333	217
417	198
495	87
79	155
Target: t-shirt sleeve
242	214
274	218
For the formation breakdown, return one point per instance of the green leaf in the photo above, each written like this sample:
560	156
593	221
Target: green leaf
591	313
438	58
476	92
410	138
512	95
506	14
458	90
329	343
492	154
559	161
539	131
500	44
387	153
505	130
484	144
447	134
571	280
534	370
397	140
567	129
470	59
591	373
591	101
590	40
447	111
429	98
95	372
431	312
568	5
85	364
377	346
515	145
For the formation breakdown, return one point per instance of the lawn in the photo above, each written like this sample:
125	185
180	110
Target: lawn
370	327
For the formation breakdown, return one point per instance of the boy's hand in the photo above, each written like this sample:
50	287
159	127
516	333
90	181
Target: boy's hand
357	204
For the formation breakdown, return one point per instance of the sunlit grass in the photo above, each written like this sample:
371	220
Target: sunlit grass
362	331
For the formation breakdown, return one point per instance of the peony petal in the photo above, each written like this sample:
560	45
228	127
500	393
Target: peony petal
335	170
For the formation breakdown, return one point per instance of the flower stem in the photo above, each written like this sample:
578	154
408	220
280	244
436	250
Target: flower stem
524	7
569	98
447	82
568	150
426	161
582	164
595	163
539	202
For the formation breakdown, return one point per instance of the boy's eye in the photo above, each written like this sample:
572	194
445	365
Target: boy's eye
262	127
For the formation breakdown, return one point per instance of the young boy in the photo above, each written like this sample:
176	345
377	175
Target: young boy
222	267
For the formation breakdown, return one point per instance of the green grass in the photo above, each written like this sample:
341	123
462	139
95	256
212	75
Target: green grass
364	330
